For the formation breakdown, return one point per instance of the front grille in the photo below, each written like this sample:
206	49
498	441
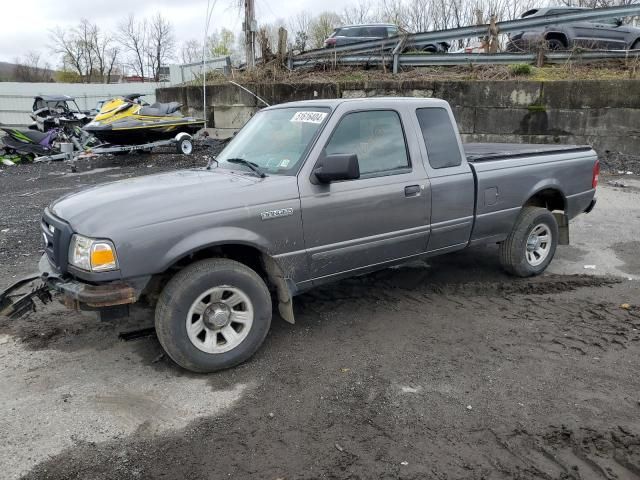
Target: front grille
56	235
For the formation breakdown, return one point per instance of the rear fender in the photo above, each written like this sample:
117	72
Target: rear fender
546	184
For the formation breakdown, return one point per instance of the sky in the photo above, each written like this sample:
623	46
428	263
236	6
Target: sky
26	23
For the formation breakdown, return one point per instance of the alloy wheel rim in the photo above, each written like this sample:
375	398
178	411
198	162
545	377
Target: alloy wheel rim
538	245
219	319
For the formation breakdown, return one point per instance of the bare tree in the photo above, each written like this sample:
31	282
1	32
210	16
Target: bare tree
132	35
322	26
358	13
105	52
30	68
68	45
420	15
160	45
112	55
393	11
299	26
191	51
85	34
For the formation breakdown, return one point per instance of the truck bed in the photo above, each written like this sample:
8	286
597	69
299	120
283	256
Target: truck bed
479	152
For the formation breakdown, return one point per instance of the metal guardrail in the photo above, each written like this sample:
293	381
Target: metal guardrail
421	60
425	38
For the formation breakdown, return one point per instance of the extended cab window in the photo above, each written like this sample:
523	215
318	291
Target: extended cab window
376	137
439	137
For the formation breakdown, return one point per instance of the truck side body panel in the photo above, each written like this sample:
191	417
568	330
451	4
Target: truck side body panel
320	232
504	186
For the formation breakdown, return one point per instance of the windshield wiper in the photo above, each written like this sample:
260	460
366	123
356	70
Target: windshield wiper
255	168
210	163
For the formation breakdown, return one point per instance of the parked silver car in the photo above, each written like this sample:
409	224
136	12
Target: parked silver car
602	34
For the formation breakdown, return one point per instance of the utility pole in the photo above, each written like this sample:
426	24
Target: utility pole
204	58
249	27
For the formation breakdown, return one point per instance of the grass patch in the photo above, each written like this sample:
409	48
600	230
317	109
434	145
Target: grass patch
520	69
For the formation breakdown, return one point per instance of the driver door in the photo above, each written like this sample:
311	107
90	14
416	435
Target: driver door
381	217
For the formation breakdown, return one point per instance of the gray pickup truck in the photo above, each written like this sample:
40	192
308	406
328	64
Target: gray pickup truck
306	193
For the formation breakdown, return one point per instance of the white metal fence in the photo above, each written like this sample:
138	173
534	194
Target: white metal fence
16	99
189	72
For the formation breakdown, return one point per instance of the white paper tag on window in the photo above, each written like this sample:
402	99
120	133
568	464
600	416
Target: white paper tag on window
309	117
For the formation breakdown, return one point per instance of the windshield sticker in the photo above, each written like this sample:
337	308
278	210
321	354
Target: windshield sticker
309	117
285	163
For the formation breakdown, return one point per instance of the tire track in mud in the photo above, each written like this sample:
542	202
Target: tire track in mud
339	405
589	328
565	453
409	289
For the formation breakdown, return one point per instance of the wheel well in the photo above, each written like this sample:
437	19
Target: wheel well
260	262
550	198
557	36
245	254
636	44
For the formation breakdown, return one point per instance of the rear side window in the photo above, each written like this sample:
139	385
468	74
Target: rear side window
376	137
439	137
351	32
378	32
392	31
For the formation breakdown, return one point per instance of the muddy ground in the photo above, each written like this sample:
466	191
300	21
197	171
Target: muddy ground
441	369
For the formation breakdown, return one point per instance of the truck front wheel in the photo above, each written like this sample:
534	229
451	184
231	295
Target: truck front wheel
530	246
213	314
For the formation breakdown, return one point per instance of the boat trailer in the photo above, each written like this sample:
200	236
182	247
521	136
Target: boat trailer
183	142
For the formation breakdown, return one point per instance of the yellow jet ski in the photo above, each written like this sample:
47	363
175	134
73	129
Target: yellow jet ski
127	120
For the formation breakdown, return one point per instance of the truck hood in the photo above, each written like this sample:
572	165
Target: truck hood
109	208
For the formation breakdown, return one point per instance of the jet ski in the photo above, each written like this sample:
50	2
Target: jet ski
28	143
128	120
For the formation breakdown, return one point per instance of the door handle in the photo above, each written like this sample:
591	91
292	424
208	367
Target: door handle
412	191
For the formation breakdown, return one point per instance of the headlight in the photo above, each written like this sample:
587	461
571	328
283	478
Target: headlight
93	124
92	255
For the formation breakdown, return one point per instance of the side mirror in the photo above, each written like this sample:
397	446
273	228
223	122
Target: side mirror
333	168
618	22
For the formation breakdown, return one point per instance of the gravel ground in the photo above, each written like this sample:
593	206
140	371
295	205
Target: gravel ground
440	369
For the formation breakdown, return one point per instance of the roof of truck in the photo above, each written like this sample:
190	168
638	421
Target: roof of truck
333	103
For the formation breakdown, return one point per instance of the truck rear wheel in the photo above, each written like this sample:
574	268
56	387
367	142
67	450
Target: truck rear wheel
530	246
213	314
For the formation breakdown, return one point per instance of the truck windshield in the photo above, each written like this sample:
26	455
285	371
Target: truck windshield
275	140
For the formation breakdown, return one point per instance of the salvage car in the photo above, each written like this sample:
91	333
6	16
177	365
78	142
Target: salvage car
349	34
306	193
603	34
55	111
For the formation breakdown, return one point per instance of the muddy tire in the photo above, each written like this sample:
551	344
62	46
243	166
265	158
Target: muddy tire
212	315
530	246
556	44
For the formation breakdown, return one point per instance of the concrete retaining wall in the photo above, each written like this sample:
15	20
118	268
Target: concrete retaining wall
605	114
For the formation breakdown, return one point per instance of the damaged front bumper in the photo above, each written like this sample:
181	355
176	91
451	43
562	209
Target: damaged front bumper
73	293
